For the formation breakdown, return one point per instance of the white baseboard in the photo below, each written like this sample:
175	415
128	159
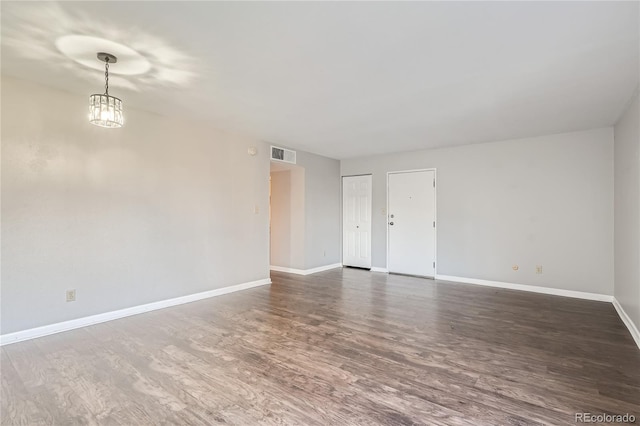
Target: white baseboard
627	321
376	269
305	271
287	270
59	327
532	288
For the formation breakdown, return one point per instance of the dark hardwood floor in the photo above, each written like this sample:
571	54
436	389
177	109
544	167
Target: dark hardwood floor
342	347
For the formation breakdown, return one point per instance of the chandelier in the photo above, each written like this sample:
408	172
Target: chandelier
106	110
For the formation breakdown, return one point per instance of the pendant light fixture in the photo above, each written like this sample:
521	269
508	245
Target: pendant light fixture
105	110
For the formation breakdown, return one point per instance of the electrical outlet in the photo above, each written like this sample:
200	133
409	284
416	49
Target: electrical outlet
256	209
71	295
538	269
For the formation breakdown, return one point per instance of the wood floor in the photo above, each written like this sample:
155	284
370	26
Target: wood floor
342	347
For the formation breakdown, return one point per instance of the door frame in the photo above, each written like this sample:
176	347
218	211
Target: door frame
342	216
435	214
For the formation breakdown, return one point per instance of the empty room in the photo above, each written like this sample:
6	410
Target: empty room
320	213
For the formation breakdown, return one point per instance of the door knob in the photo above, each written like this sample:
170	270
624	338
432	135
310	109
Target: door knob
390	223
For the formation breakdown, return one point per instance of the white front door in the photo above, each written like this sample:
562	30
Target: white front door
411	223
356	221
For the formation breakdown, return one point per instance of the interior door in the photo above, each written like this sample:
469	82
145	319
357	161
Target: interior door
411	223
356	221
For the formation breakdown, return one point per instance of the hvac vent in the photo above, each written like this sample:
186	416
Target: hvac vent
281	154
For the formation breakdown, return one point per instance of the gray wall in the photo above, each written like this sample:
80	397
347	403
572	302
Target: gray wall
313	225
158	209
627	212
323	238
538	201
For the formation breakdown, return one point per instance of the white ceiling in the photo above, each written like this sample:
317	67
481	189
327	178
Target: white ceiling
350	79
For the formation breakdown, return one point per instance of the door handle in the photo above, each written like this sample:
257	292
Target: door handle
391	223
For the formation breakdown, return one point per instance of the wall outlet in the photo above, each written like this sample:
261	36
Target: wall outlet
256	209
71	295
538	269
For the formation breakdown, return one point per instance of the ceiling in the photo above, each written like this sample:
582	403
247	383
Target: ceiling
347	79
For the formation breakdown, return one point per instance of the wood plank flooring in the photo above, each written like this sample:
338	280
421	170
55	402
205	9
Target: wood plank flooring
342	347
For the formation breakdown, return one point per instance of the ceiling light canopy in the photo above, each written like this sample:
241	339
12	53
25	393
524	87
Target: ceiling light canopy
82	49
106	110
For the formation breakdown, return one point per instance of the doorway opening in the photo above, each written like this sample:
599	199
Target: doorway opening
286	217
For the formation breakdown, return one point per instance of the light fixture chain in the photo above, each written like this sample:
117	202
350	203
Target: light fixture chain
106	77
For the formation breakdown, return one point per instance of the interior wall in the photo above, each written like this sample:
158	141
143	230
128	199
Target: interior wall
537	201
627	211
323	237
288	218
314	234
158	209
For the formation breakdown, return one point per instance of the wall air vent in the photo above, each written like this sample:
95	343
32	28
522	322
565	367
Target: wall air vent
284	155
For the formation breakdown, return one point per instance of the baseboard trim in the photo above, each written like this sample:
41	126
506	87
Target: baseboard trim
287	270
635	333
59	327
305	271
377	269
531	288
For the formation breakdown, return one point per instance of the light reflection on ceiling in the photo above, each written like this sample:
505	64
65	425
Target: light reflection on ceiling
82	49
48	33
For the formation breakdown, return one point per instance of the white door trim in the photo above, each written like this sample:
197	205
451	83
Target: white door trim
435	213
